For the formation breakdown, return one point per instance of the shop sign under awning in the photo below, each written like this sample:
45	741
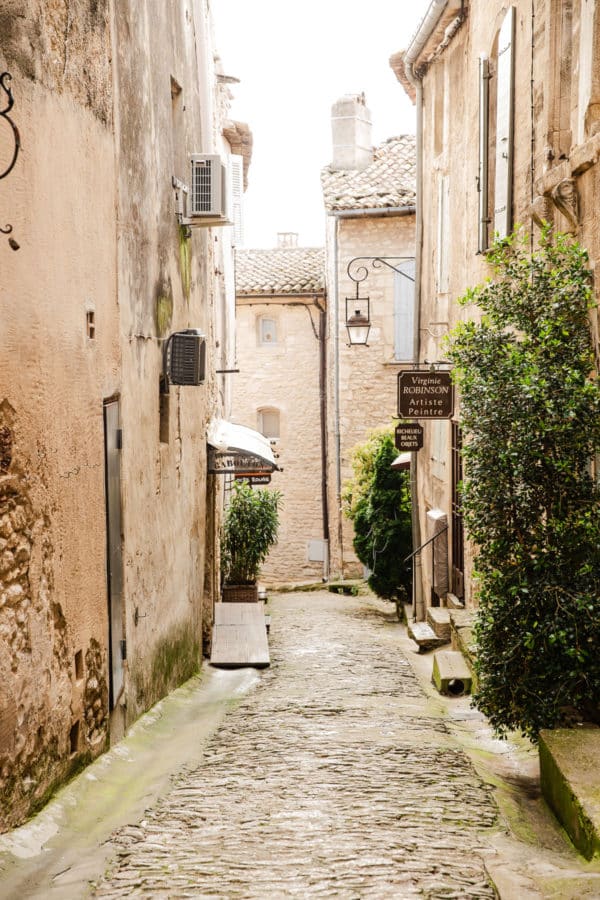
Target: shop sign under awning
237	450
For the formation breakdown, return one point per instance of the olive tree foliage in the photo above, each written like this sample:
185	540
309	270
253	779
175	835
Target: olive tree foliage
249	531
530	410
377	500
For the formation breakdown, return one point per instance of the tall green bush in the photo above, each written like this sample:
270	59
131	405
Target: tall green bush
249	532
378	503
530	410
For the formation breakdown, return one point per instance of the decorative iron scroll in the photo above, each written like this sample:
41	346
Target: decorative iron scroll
360	273
4	114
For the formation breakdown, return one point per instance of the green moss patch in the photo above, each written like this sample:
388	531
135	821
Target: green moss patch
174	659
570	783
185	261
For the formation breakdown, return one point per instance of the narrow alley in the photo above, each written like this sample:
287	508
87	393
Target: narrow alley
335	773
328	780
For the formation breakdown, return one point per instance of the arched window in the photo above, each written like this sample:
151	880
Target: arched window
267	330
268	423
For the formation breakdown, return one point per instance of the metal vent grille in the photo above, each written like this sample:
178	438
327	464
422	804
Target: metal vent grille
206	195
186	357
201	197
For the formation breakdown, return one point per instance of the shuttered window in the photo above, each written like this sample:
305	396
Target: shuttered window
237	191
484	145
267	331
504	126
404	311
439	448
443	247
268	423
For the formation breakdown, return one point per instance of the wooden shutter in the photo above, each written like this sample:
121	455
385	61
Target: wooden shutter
484	140
237	191
504	126
404	311
443	246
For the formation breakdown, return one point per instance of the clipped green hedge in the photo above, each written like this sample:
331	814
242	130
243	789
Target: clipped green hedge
530	408
378	502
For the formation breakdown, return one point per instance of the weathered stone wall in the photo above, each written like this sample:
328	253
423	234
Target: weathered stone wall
285	376
60	200
102	276
367	375
167	282
555	178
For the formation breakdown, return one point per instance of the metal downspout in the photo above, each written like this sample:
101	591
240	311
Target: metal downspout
418	601
427	26
323	423
336	398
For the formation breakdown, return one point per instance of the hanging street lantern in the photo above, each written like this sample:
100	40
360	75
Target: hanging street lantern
358	321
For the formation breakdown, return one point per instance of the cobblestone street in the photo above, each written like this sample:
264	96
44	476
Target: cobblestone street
328	780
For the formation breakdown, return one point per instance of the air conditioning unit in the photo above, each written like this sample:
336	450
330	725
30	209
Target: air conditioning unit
208	193
185	357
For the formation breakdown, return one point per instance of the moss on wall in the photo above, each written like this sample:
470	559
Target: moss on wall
174	659
163	313
185	261
562	795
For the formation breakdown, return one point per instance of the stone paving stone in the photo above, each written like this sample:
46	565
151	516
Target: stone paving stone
328	780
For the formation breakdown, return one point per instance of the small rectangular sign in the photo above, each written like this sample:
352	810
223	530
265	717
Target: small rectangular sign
254	479
425	395
408	436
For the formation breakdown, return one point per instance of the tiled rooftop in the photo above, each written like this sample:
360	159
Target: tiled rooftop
387	182
283	270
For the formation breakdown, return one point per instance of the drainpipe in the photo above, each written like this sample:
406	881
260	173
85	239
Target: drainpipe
323	417
423	34
336	398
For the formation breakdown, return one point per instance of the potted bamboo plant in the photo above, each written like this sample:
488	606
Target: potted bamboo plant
249	532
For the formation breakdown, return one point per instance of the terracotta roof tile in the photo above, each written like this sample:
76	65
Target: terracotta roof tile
283	270
388	181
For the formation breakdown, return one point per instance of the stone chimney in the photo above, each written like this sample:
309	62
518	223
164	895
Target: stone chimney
351	132
287	238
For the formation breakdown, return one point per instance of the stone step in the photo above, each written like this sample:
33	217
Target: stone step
451	674
438	618
461	632
454	602
424	635
569	782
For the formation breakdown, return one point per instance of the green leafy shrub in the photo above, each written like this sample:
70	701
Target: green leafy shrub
249	532
530	411
378	503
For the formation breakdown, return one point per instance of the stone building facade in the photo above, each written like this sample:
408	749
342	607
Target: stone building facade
369	197
508	107
280	390
108	519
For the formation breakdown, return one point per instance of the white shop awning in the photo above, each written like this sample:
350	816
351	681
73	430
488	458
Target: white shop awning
237	449
401	462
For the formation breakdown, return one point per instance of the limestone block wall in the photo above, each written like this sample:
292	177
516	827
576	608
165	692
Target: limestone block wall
284	376
167	281
102	275
555	177
54	373
362	380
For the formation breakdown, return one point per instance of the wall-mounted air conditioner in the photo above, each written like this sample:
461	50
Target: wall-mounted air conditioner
208	191
184	358
215	193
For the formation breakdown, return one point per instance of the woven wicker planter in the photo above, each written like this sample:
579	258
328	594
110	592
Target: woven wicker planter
240	593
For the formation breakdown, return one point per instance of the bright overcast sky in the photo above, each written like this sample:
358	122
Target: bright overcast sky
294	60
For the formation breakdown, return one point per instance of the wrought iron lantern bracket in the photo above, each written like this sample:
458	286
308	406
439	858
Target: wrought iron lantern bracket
5	77
358	323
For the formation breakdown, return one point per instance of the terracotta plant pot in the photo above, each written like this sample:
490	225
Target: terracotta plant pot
240	593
